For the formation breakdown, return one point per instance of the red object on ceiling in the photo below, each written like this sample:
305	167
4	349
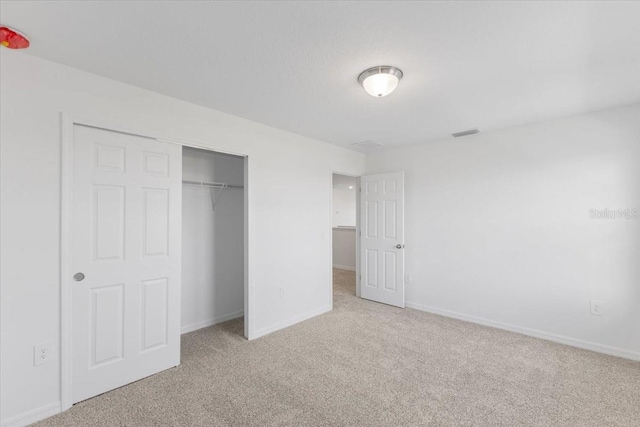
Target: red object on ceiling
11	39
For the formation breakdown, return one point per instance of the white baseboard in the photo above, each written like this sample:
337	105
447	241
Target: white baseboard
281	325
344	267
574	342
211	322
33	416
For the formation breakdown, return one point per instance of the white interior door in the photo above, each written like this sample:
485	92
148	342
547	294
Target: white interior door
382	238
126	258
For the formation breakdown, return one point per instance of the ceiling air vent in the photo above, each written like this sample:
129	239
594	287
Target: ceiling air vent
466	132
366	144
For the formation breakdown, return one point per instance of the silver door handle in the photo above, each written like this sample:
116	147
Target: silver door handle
78	277
399	246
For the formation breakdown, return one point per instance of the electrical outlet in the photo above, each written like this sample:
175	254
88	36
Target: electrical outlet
407	278
42	353
596	308
281	292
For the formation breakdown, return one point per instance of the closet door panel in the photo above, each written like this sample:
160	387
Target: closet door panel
126	234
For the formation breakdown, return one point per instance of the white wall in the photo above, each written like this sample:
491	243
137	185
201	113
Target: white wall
212	240
344	248
344	207
33	96
499	231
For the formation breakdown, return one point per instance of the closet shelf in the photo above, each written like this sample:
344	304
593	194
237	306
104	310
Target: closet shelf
212	186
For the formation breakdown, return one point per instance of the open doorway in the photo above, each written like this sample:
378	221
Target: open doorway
213	228
344	233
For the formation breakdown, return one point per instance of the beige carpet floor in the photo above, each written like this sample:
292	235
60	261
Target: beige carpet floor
367	364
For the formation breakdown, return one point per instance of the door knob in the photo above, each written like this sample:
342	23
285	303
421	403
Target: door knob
399	246
78	277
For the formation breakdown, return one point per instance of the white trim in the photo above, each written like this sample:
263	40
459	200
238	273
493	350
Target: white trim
211	322
248	247
33	416
358	237
66	227
144	133
281	325
561	339
344	267
330	239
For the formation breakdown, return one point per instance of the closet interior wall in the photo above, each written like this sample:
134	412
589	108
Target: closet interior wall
212	239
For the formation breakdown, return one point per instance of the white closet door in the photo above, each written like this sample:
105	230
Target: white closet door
126	259
382	239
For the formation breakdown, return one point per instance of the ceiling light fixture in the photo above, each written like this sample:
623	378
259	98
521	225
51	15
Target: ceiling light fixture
381	80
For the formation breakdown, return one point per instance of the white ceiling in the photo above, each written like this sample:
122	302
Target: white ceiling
294	65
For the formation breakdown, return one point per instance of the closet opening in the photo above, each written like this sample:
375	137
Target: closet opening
213	240
344	234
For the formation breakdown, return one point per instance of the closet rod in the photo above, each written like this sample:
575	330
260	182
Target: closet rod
212	185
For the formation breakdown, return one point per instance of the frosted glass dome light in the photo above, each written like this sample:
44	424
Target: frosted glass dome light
380	81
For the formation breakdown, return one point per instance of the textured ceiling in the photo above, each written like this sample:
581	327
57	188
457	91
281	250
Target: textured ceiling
294	65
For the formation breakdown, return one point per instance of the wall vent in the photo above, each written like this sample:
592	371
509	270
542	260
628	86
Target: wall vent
465	133
366	144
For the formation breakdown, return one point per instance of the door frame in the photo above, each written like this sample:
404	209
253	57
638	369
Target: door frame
67	123
357	177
